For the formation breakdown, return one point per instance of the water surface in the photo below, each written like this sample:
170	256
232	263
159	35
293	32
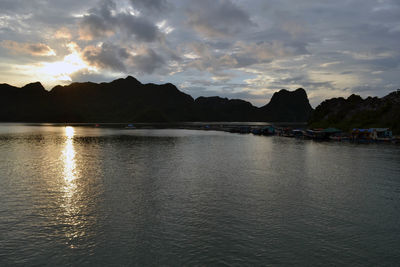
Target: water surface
98	196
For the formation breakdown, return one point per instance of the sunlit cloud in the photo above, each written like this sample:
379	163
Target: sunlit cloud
164	27
63	33
34	49
327	48
61	70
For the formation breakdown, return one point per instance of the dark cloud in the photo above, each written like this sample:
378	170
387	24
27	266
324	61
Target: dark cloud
216	18
146	61
150	5
107	56
143	29
105	21
94	26
327	47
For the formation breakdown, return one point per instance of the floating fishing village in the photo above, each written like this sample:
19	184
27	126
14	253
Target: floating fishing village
356	135
369	135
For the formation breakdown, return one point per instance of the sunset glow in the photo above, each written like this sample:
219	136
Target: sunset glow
61	70
228	48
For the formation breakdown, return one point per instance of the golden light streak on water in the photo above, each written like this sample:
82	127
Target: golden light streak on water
69	156
71	196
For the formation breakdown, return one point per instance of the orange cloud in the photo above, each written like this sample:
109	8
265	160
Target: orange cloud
63	33
34	49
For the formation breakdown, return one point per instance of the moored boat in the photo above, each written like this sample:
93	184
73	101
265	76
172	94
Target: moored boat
130	126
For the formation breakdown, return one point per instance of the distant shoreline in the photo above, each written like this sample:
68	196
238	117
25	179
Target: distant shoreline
161	125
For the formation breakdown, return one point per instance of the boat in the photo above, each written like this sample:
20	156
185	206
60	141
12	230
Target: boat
130	126
371	135
256	131
287	132
297	133
315	134
382	134
396	139
244	129
339	137
268	130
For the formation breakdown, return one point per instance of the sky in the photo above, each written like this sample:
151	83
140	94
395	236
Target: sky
230	48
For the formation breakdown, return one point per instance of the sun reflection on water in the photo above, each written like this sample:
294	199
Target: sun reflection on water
69	155
70	204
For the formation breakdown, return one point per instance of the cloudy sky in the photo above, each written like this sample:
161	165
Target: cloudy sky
231	48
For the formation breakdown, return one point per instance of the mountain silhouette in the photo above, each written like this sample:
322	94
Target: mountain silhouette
128	100
356	112
288	106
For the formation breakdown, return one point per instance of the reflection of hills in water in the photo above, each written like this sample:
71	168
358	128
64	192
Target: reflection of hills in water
128	100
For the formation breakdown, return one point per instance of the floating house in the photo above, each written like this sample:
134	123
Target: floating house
371	134
256	131
382	134
268	130
340	137
287	132
316	134
322	134
297	133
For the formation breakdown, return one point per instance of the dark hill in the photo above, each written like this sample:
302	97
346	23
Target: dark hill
128	100
288	106
358	112
223	109
28	103
122	100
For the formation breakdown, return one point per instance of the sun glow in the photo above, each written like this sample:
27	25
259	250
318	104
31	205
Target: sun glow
62	70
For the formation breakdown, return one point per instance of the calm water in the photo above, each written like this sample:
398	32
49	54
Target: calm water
86	196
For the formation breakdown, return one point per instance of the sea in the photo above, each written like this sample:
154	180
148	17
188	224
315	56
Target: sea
109	196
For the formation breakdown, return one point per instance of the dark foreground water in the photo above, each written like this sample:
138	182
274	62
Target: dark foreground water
85	196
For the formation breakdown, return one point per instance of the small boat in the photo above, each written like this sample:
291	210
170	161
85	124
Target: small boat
130	126
297	133
244	129
315	134
268	130
287	132
396	139
256	131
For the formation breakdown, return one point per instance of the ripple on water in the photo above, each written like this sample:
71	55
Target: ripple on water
82	196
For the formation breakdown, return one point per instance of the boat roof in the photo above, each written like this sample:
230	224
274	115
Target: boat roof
331	130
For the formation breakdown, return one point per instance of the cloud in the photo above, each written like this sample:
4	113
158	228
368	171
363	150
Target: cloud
94	27
105	21
329	48
33	49
240	55
146	60
63	33
111	57
143	29
150	5
90	76
99	23
217	18
106	56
